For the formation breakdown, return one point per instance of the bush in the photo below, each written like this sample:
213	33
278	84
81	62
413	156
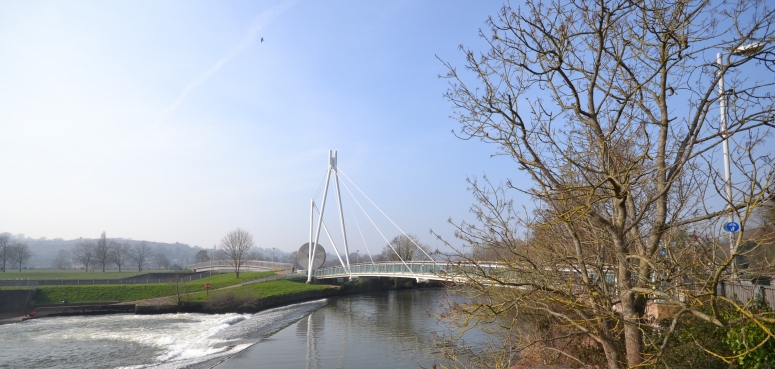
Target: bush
689	345
223	301
751	342
686	346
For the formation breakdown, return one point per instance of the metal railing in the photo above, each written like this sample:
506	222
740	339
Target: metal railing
31	284
413	269
247	265
744	292
20	284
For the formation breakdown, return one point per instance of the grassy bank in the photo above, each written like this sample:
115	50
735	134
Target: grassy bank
261	290
44	274
99	293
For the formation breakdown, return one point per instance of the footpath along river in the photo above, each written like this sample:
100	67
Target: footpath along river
378	330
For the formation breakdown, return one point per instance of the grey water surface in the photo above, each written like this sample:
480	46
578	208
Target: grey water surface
379	330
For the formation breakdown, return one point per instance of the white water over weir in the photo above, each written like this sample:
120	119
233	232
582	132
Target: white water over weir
130	341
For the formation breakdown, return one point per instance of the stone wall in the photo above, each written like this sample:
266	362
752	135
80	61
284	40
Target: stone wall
15	300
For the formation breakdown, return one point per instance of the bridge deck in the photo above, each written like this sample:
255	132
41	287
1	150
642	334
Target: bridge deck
422	270
247	265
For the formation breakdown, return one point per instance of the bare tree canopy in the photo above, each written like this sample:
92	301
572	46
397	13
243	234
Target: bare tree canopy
120	254
162	262
103	251
85	253
19	254
140	254
5	243
610	109
202	256
406	248
235	245
61	260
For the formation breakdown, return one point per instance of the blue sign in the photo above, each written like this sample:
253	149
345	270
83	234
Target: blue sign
732	227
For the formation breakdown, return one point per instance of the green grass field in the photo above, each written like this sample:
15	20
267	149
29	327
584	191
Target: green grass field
264	289
41	274
98	293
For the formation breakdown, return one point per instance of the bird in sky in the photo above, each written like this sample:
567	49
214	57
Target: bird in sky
262	39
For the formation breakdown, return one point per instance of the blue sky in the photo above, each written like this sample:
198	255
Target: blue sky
170	121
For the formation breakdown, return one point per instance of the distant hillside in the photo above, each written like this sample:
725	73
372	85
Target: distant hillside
44	250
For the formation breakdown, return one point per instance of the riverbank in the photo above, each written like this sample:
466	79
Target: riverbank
244	298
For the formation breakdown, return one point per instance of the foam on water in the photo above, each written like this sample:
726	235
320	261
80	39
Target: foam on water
158	341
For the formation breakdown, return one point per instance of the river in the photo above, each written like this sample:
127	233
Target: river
379	330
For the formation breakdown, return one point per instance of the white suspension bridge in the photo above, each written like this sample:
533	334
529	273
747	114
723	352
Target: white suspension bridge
424	270
311	260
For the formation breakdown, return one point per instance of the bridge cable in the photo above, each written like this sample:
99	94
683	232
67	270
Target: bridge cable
320	187
332	242
377	228
388	218
361	232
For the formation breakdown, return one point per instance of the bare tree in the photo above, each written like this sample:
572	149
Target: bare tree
235	245
161	260
103	255
202	256
140	254
120	254
61	260
406	248
85	252
19	254
609	108
5	243
254	254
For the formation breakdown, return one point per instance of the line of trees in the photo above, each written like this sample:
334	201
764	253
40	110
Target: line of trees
104	252
13	254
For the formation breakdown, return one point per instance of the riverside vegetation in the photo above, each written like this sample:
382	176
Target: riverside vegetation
192	291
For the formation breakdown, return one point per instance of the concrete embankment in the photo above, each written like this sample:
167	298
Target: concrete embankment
231	303
85	309
15	300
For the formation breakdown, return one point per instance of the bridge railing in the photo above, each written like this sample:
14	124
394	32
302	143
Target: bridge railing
246	265
409	269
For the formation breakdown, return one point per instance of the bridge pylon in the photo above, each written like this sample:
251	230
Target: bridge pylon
314	232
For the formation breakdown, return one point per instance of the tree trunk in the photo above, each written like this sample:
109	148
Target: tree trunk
633	338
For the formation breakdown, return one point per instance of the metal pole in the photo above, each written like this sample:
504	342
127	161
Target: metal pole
341	214
311	226
313	246
725	148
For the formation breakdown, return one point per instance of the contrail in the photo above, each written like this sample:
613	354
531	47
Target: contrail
261	21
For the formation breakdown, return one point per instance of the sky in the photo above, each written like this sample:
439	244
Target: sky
172	121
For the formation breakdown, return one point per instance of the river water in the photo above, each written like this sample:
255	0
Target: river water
381	330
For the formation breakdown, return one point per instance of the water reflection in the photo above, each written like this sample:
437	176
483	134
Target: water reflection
382	330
